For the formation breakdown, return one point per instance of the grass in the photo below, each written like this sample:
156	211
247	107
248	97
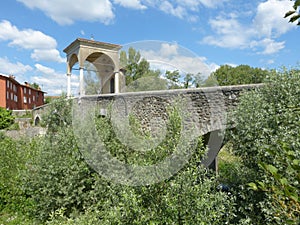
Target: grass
229	166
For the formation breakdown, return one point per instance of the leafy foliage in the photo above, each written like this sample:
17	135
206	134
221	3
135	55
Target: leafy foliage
293	14
65	190
135	66
173	77
35	86
6	118
140	77
58	114
243	74
58	176
13	159
267	139
147	83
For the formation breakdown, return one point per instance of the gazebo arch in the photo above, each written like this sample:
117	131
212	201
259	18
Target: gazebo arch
105	58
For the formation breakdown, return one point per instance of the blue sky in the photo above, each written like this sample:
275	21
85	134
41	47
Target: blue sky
33	34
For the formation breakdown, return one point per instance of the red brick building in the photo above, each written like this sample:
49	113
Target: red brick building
16	96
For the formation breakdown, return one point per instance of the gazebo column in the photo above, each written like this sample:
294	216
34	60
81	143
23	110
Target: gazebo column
68	85
81	82
117	82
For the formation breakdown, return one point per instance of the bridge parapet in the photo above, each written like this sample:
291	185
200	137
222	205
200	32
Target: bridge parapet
205	108
208	106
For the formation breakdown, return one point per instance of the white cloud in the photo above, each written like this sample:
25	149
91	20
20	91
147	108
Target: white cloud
17	68
186	9
177	11
44	69
230	33
168	49
195	4
173	57
183	9
51	81
268	24
66	12
30	39
270	46
50	55
269	19
270	61
133	4
27	39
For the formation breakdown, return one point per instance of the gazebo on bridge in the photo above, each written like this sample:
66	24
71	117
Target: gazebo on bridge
104	57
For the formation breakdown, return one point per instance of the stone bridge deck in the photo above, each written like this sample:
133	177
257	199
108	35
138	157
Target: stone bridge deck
205	108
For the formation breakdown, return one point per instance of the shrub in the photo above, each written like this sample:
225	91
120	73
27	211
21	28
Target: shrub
6	118
66	190
13	157
267	139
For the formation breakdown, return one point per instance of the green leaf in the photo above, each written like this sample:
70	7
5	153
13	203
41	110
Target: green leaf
296	162
253	186
289	13
294	197
284	181
294	18
296	4
262	186
272	169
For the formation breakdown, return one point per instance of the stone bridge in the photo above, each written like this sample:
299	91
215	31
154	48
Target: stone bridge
203	108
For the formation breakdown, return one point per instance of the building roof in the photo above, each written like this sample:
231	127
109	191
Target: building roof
12	78
93	43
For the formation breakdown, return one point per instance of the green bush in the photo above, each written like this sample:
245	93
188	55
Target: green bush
267	139
66	190
6	118
58	177
13	158
14	126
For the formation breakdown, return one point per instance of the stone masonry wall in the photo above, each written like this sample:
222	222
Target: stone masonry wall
205	106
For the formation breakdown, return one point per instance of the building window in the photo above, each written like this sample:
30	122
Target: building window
24	90
7	95
33	98
25	99
16	98
7	84
29	100
11	96
29	91
15	88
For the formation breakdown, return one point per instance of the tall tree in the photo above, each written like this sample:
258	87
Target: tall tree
35	85
242	74
135	66
188	80
173	78
210	81
198	80
266	137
